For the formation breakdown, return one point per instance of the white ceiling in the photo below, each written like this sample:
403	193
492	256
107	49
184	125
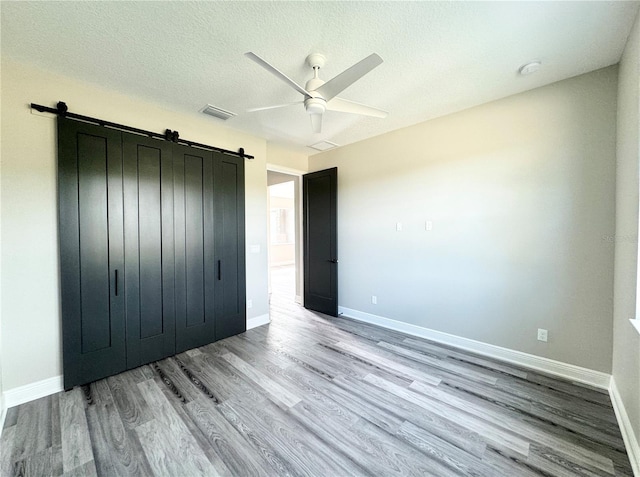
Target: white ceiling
439	57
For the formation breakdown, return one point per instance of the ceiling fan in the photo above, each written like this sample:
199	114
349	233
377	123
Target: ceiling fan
321	96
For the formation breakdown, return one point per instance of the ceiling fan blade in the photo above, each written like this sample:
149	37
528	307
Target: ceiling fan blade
264	108
345	106
316	122
337	84
276	72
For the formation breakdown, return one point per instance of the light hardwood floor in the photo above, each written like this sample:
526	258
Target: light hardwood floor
318	396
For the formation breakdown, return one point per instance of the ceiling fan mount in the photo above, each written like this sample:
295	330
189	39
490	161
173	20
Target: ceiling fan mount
316	60
320	95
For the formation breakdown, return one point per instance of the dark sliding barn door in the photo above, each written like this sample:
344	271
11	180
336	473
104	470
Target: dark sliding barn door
152	249
194	247
149	259
230	253
91	251
320	230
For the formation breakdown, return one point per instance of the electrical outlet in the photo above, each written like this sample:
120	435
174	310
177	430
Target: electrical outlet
399	227
374	299
249	303
542	335
428	225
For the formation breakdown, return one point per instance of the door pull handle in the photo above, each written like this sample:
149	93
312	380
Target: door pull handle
116	284
219	269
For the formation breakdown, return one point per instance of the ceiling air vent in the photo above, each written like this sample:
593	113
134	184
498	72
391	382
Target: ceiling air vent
217	112
323	146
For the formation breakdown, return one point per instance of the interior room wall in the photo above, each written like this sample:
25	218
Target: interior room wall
293	161
31	329
282	253
626	341
287	157
273	178
2	401
520	193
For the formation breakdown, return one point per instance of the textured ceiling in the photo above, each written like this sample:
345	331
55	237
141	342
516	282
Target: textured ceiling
439	57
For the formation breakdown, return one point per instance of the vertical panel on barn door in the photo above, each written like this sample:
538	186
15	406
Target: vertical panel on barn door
91	251
231	317
195	267
149	249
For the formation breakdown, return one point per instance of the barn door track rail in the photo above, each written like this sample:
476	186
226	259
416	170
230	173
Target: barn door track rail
61	109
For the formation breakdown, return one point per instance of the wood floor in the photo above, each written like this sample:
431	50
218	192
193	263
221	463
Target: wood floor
318	396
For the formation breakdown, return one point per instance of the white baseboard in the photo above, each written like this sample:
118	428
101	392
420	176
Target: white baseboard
626	429
3	413
30	392
526	360
258	321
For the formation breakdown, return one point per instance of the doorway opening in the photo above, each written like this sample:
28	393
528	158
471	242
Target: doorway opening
283	219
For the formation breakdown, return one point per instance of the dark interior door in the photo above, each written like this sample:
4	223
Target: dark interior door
194	247
231	313
320	191
91	251
149	249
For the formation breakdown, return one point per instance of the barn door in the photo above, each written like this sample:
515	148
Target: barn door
149	250
91	251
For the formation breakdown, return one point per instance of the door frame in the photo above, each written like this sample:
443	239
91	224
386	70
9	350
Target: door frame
299	257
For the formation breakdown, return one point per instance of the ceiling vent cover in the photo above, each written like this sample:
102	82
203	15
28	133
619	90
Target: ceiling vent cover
217	112
323	145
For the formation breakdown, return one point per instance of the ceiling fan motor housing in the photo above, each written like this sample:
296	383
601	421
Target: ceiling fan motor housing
315	105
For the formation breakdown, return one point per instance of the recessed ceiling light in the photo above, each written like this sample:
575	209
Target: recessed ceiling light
323	146
217	112
530	68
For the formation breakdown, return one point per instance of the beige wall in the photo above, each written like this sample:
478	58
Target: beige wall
521	195
30	333
281	202
626	341
282	253
292	169
2	402
287	158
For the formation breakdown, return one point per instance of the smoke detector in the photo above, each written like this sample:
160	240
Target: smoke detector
530	68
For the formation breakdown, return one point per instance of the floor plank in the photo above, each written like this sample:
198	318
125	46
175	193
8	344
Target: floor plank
76	441
168	445
314	395
116	448
32	429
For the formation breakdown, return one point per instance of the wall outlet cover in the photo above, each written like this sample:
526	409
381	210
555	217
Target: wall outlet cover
542	335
